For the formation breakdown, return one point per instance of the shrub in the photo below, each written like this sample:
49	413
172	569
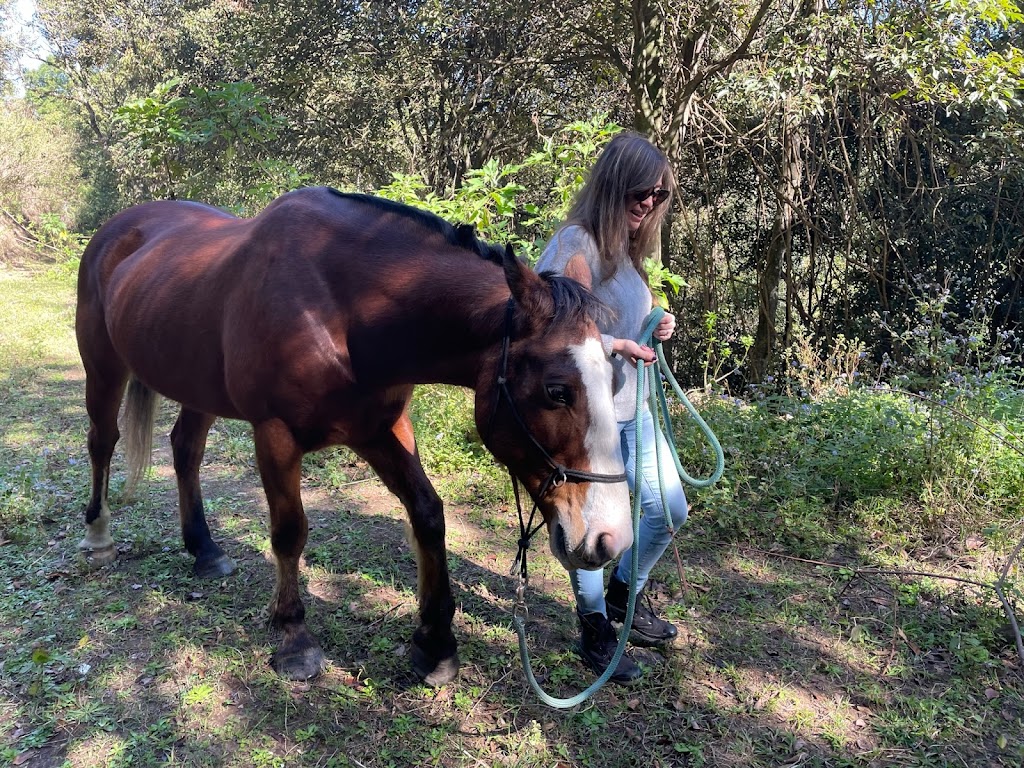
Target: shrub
41	190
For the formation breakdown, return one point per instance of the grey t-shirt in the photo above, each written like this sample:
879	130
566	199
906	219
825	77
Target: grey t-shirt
625	293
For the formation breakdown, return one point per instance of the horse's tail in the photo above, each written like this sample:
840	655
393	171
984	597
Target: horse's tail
139	413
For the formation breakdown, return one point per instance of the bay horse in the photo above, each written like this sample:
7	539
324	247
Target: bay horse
313	321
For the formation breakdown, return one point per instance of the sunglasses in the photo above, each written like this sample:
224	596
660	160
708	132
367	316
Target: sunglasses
659	195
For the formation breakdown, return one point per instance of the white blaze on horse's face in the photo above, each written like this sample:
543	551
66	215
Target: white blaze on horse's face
607	529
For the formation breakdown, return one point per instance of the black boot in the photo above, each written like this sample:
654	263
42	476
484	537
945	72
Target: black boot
647	628
598	645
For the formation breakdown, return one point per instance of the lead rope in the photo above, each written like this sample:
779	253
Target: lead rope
659	406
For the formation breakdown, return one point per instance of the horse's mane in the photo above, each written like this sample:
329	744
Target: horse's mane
573	301
462	236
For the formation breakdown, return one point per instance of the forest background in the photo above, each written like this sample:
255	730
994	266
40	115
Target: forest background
850	173
845	255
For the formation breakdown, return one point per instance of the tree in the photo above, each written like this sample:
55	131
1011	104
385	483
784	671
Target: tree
8	46
40	186
837	159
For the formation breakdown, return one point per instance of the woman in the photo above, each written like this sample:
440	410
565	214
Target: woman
612	227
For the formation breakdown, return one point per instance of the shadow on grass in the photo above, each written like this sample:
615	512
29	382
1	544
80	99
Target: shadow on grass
139	664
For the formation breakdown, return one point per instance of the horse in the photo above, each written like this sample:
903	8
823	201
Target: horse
314	320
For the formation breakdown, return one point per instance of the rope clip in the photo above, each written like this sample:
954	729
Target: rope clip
520	610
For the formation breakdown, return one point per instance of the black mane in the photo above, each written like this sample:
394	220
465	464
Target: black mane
462	236
573	301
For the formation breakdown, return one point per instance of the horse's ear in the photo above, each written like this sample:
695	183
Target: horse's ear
518	275
530	292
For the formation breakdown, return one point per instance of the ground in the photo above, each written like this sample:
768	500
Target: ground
781	660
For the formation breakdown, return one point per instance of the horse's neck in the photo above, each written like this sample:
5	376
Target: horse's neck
471	343
449	329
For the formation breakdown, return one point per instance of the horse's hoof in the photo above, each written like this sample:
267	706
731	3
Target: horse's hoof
97	558
434	672
298	665
214	568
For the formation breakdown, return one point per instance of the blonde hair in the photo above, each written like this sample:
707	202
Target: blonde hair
629	164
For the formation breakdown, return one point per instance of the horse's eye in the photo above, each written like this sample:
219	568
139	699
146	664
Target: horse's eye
559	393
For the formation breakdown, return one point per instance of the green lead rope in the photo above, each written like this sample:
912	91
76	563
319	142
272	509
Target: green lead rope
658	406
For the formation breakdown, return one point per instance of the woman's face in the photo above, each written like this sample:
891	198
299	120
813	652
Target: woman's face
640	204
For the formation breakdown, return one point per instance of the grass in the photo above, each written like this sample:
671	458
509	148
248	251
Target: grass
787	653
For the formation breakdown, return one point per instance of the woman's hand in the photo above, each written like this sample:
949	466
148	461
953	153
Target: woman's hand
666	327
631	351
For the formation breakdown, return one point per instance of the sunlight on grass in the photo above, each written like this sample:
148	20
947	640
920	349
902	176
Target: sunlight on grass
96	751
36	319
18	435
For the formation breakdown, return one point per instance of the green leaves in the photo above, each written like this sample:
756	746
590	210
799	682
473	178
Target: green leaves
520	203
180	132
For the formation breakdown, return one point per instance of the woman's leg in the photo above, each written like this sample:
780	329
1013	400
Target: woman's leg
654	536
598	641
588	586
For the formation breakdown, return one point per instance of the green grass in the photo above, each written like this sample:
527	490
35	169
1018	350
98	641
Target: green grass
785	656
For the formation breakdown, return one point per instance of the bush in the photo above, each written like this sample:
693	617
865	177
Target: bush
799	471
40	184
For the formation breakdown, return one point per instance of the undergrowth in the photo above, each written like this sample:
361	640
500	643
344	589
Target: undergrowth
846	467
791	650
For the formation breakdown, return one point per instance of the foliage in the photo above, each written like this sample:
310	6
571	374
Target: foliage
178	138
723	357
41	190
827	157
487	201
450	446
519	204
7	45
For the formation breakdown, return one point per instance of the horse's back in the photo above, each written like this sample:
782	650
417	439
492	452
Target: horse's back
142	223
232	316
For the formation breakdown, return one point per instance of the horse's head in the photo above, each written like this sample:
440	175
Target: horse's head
545	410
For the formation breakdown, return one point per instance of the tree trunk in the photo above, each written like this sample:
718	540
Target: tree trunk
779	243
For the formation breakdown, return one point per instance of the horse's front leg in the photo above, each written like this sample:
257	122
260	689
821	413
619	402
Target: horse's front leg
188	443
394	457
279	457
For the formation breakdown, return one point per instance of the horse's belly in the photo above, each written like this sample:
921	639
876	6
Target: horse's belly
181	366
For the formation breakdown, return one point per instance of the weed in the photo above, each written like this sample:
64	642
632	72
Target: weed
692	754
592	719
198	695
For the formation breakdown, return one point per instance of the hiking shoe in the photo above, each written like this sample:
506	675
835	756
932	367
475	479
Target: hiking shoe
647	628
597	646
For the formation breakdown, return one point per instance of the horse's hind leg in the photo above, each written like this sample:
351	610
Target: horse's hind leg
105	380
103	392
395	459
279	457
188	444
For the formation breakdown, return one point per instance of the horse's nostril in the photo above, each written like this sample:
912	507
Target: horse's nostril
601	549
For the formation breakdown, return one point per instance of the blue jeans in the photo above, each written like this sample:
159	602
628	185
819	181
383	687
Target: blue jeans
654	536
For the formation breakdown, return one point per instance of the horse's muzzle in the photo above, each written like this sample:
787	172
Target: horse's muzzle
597	549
